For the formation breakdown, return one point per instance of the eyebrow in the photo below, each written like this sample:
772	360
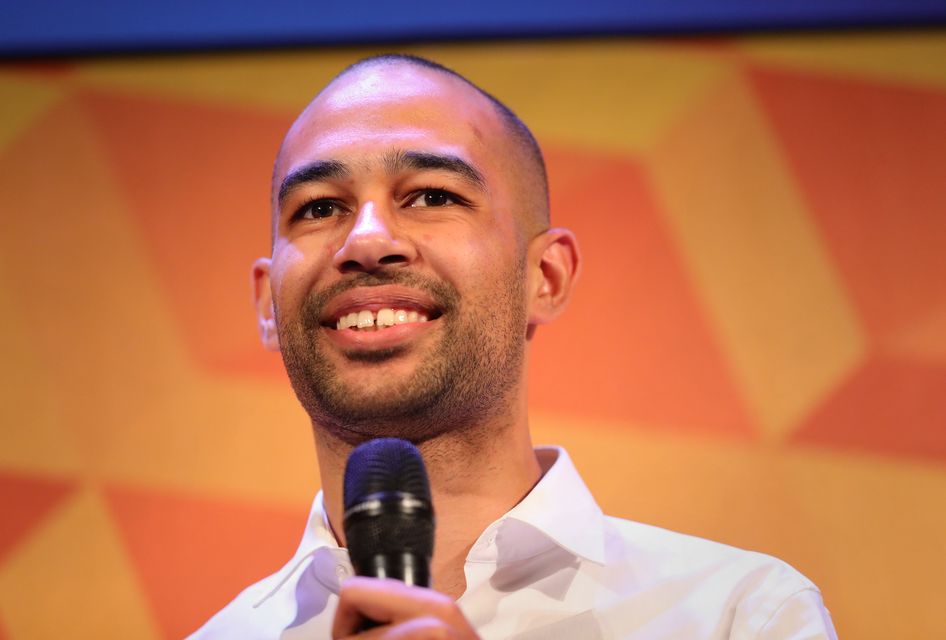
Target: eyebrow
312	172
394	163
420	160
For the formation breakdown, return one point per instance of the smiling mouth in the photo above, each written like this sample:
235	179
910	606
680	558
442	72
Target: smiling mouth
380	319
379	308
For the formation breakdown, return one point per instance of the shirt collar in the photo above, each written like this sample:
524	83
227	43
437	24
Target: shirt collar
560	508
318	533
319	549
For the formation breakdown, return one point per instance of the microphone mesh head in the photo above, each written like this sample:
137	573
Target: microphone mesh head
383	465
387	468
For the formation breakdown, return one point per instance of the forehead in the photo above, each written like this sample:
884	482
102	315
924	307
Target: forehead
393	106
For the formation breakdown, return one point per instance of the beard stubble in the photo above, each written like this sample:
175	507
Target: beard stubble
464	380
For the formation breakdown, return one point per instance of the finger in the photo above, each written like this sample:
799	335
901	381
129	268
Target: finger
375	633
385	601
424	628
360	631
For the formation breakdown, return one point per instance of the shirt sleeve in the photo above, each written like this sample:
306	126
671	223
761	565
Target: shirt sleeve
802	616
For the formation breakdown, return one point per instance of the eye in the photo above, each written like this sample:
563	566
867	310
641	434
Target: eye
317	209
433	198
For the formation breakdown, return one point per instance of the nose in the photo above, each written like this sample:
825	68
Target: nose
373	242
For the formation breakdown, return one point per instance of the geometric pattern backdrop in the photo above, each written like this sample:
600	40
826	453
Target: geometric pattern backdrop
756	352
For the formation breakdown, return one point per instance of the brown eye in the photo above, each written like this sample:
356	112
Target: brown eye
433	198
436	198
317	209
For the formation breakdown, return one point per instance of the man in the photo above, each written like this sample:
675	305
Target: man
412	263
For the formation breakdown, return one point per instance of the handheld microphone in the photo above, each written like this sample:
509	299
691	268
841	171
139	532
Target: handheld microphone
389	519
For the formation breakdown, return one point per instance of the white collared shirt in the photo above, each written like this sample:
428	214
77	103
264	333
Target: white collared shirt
556	567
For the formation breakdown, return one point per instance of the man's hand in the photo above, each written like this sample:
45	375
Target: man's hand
402	612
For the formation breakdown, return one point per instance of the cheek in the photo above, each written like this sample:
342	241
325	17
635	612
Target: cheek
478	267
296	269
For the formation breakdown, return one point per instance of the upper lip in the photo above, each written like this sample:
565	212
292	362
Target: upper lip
378	297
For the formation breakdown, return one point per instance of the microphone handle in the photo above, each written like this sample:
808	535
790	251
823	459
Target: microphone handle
407	567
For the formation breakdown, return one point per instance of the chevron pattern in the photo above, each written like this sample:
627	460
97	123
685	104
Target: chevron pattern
756	353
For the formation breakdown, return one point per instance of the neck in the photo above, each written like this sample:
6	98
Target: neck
473	480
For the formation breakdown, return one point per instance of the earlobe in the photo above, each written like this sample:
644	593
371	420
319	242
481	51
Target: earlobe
555	263
263	301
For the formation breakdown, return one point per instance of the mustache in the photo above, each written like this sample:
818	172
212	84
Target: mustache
444	295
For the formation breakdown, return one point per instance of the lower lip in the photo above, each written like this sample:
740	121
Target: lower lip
376	340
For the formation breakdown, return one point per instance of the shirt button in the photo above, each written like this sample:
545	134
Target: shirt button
341	571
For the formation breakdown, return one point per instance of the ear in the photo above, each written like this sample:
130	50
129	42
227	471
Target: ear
554	265
263	301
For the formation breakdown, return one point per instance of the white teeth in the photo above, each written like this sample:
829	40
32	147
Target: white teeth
385	318
365	319
348	320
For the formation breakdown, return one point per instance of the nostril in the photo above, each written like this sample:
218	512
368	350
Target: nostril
355	265
351	265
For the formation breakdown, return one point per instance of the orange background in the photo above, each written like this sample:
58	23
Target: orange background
756	352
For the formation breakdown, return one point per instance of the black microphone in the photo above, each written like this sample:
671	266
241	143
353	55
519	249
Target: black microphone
389	518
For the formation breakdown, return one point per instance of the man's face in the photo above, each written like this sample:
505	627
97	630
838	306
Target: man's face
398	267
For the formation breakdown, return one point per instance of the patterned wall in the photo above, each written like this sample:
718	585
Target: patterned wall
756	353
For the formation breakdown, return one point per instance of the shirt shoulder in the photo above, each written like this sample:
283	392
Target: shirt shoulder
753	595
293	600
241	618
666	553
